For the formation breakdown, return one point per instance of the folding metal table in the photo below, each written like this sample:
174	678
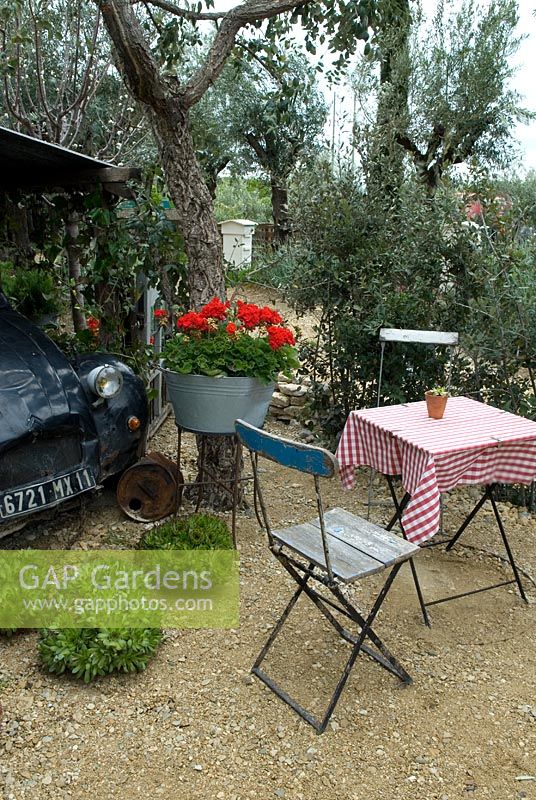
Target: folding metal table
474	443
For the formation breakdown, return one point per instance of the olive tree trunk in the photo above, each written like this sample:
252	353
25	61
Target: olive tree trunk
280	210
203	247
194	205
167	107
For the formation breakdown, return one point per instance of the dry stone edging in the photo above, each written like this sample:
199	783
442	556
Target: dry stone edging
289	401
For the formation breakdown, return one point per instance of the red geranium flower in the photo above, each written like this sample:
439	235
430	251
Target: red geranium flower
269	316
249	314
278	336
215	309
231	328
94	325
192	321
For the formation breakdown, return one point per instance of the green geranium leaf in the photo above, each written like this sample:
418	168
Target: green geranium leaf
256	351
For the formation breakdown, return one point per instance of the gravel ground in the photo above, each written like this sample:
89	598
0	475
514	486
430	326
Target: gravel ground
197	725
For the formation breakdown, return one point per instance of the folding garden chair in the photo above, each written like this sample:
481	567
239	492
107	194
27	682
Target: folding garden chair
334	549
448	339
434	338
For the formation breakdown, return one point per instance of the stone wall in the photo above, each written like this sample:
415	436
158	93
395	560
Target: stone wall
289	399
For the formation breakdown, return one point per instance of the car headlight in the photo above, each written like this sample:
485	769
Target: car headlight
106	381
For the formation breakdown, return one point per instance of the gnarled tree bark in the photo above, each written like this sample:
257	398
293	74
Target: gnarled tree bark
168	102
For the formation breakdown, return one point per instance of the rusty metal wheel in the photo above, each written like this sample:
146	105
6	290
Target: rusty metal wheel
151	489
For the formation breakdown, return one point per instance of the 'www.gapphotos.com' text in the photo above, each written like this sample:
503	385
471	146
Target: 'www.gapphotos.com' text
111	605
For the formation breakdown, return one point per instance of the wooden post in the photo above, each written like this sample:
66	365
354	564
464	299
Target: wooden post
75	270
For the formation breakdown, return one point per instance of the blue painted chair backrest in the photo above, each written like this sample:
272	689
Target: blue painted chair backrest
302	457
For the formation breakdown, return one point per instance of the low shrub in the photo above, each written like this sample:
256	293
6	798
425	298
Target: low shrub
196	532
8	631
90	652
32	292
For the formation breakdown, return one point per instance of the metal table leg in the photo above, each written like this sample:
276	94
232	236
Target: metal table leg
399	509
488	495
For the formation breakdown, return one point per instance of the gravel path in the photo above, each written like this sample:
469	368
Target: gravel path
197	725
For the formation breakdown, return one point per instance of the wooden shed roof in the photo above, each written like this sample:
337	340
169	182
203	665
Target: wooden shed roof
28	163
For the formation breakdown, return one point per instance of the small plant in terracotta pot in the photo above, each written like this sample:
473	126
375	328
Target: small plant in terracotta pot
436	400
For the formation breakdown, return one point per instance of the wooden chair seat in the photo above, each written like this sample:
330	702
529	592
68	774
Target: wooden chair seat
357	547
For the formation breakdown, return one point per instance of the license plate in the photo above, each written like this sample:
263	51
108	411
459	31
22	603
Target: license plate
49	493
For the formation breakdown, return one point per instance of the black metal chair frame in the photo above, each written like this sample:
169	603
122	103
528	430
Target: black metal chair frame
320	463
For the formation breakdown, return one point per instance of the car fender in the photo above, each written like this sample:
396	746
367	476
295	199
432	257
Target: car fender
119	447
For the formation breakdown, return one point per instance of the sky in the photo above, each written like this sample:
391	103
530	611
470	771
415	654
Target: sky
525	80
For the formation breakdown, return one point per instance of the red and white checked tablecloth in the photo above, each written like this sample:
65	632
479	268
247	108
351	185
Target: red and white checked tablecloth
473	443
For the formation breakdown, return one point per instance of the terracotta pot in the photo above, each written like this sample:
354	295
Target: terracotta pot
435	404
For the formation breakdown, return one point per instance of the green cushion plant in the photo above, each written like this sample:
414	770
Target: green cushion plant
196	532
90	652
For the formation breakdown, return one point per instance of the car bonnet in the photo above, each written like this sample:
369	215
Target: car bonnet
39	390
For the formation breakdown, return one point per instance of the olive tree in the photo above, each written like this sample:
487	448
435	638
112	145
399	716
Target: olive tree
58	82
152	76
281	117
461	105
443	88
264	115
